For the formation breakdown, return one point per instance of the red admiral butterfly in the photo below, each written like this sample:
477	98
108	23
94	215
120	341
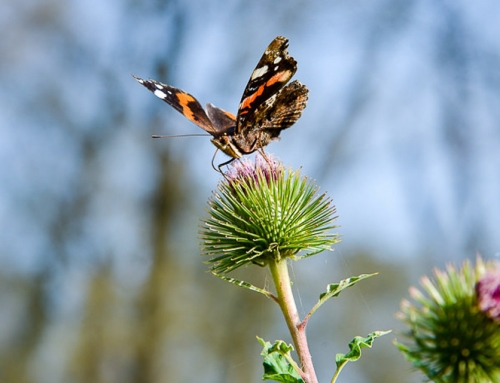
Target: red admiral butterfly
267	106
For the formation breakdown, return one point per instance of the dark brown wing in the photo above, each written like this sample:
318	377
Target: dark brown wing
282	110
273	71
182	102
221	119
277	113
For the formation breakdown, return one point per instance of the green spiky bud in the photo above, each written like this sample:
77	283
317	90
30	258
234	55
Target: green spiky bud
450	338
262	210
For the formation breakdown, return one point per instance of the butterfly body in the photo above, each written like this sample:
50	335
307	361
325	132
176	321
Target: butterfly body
268	105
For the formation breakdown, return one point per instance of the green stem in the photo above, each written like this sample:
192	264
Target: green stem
337	372
286	301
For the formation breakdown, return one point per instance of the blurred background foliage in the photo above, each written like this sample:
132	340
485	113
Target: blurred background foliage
100	274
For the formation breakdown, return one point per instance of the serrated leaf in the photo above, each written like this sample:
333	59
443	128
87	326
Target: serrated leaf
355	347
278	363
357	344
334	290
246	285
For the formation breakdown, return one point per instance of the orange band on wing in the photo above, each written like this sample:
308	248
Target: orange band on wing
184	99
278	77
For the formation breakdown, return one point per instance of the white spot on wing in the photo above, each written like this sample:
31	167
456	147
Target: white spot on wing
259	72
160	94
277	60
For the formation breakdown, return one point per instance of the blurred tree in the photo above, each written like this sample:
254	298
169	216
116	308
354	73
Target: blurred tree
100	279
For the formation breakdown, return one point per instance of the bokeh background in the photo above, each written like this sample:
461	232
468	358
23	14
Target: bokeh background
101	278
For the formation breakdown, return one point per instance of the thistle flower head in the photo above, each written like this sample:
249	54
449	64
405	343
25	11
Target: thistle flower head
450	338
262	210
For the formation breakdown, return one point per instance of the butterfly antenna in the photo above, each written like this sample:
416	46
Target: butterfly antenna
180	135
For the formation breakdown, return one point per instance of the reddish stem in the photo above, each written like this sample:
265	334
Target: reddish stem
286	301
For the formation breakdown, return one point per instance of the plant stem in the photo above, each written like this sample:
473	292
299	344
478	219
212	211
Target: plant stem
286	301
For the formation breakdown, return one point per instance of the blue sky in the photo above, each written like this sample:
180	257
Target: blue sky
401	124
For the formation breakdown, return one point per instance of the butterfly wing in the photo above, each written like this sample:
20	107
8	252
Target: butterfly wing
267	106
273	71
283	109
223	120
279	112
182	102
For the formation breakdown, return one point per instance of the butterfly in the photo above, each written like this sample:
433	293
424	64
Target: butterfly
268	105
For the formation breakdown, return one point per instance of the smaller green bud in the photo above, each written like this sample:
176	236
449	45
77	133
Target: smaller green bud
450	338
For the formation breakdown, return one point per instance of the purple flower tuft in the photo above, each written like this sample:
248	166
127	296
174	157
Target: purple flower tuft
246	169
488	293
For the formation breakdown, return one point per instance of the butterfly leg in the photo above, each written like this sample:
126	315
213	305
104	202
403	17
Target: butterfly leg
218	169
223	164
263	154
273	168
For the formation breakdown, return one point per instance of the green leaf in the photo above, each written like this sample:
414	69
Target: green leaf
355	347
246	285
278	363
334	289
